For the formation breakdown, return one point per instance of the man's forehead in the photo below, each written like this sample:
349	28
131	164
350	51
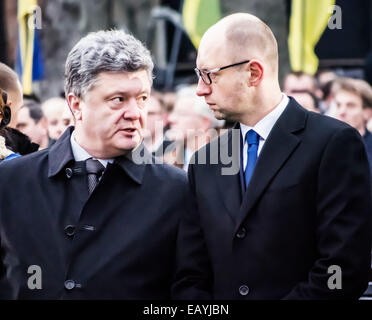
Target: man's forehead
54	108
347	95
137	81
211	54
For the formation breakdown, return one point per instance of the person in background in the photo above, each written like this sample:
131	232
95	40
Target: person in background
32	123
12	140
299	81
306	99
156	122
323	76
168	99
352	99
9	82
68	118
5	116
53	110
190	122
369	125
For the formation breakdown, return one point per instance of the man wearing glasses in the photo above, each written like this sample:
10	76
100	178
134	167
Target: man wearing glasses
294	220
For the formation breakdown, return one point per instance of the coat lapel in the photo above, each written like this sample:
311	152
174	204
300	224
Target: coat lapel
278	147
228	176
60	153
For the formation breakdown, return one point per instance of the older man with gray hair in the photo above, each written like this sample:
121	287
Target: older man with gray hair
83	219
192	125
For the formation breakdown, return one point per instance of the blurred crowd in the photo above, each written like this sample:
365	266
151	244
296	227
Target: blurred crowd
179	122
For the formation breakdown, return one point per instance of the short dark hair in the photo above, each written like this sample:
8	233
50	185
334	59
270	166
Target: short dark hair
357	86
327	89
34	109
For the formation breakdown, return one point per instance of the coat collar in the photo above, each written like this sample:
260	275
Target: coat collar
280	144
133	164
60	153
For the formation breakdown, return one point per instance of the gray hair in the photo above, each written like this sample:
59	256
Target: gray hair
104	51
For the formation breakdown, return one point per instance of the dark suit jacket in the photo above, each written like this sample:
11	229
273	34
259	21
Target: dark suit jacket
307	207
117	244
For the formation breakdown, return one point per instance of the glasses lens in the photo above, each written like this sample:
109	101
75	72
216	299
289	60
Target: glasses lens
197	72
203	75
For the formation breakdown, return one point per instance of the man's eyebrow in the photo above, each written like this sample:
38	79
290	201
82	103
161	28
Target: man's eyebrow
117	92
124	93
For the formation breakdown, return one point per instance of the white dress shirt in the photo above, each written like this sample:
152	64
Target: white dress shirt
187	157
263	127
81	154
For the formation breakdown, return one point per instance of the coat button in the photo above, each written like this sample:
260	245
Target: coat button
69	284
243	290
70	230
241	233
68	173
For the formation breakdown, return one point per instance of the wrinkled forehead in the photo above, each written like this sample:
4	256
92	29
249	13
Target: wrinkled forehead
131	83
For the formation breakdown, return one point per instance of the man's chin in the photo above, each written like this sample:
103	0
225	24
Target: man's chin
124	147
219	115
129	146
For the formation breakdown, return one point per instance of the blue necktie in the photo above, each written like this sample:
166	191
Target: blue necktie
252	139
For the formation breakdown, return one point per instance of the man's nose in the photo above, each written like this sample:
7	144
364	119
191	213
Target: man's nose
132	111
60	128
342	110
203	89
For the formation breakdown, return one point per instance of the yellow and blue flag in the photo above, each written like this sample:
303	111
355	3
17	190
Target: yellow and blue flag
309	19
29	63
198	16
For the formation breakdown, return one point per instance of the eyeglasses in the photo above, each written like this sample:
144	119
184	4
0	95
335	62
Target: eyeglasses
206	75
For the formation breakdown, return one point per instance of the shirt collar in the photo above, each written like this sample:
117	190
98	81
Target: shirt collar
264	126
80	154
61	154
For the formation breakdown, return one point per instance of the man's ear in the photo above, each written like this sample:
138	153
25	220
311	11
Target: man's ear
367	114
256	72
75	105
